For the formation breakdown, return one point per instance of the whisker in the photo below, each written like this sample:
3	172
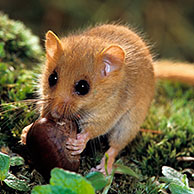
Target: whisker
18	104
65	107
13	120
26	101
47	107
20	101
16	110
84	116
74	117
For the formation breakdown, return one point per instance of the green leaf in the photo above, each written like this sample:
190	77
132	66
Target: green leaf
71	180
178	189
97	179
106	163
51	189
174	176
4	165
185	180
16	161
2	50
15	183
109	179
119	168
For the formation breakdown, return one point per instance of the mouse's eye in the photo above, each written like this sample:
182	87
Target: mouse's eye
53	79
82	87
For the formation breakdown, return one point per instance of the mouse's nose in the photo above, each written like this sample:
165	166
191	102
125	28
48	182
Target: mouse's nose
61	108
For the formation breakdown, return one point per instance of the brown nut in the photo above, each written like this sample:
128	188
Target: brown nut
46	141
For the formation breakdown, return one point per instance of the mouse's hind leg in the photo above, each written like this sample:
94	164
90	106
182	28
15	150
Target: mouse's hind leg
123	132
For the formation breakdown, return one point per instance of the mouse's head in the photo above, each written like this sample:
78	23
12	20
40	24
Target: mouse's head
80	74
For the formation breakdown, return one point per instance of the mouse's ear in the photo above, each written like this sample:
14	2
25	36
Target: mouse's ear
53	45
113	57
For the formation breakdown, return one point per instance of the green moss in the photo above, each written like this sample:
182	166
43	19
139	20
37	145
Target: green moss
172	114
17	43
20	51
16	86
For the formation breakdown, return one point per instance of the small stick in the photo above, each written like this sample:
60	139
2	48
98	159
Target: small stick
150	131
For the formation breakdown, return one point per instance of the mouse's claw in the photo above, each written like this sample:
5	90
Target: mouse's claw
77	145
112	152
101	167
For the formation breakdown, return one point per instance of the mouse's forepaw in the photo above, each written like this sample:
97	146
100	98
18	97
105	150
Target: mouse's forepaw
24	134
77	145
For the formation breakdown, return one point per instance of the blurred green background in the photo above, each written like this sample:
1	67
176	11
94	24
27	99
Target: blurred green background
168	25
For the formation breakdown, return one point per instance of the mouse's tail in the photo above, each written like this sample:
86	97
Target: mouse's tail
176	71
